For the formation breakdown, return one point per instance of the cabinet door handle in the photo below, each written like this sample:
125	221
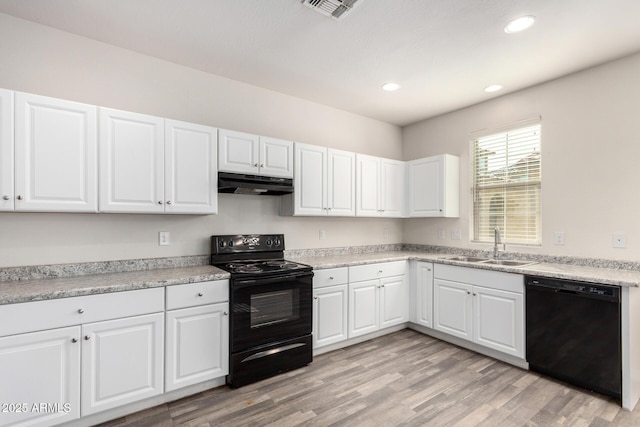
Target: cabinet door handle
225	313
87	337
255	165
468	292
159	202
74	340
379	271
81	310
19	197
330	277
5	197
474	294
200	294
315	297
261	165
168	202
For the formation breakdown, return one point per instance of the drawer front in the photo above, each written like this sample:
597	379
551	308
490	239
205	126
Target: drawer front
56	313
359	273
194	294
330	277
488	278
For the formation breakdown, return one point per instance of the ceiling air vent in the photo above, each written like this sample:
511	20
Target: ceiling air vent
334	8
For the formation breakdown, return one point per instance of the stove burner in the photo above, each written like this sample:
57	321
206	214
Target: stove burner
285	265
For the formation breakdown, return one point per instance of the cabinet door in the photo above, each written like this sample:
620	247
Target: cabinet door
424	294
197	345
276	157
131	162
191	168
55	155
341	183
392	203
426	187
367	186
394	304
6	151
363	308
122	361
310	180
452	308
40	373
499	320
329	315
238	152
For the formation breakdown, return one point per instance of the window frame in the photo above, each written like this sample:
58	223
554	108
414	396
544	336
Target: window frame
536	185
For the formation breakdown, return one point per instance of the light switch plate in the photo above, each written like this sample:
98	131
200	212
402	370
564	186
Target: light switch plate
455	234
558	238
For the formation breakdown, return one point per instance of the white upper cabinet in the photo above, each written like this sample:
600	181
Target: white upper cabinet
55	155
434	187
380	185
6	151
324	182
191	165
131	162
252	154
153	165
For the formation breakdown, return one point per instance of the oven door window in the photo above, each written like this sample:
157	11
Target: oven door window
268	310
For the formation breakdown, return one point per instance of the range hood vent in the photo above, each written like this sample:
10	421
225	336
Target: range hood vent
334	8
237	183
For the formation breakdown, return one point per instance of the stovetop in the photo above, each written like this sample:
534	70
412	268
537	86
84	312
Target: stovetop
261	266
253	254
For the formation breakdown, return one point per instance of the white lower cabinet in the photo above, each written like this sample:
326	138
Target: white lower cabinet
485	307
80	355
40	377
422	294
197	346
330	307
122	362
378	297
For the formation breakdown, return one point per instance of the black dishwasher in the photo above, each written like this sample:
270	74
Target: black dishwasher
573	333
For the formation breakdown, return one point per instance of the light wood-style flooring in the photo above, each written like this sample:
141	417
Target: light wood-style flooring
401	379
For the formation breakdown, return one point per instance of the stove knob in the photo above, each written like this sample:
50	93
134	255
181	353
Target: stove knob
222	244
269	242
230	243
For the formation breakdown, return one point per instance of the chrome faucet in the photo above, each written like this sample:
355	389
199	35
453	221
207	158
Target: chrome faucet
496	241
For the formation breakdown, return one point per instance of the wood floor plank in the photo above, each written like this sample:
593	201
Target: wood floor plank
402	379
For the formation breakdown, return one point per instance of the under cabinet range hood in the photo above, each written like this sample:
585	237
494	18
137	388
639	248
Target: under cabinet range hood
238	183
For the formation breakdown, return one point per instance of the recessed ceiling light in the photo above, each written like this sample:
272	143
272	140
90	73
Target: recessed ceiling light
519	24
390	87
492	88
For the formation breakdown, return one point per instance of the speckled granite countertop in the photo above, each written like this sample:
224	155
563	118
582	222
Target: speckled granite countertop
23	284
14	291
607	276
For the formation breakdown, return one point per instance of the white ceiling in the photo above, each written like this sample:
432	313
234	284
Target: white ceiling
442	52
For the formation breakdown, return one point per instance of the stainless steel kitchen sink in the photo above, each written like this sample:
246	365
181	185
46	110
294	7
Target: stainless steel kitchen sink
465	258
508	262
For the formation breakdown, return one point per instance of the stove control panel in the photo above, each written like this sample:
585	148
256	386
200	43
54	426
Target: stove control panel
247	243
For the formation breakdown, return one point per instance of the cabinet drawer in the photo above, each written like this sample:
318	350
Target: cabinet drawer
490	279
56	313
359	273
330	277
193	294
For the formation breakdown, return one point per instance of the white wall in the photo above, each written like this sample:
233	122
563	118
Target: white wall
590	157
44	61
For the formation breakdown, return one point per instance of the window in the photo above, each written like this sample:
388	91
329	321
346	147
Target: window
506	185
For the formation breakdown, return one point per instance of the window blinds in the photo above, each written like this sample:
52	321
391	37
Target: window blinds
507	184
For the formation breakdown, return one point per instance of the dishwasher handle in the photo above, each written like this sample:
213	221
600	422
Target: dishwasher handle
573	288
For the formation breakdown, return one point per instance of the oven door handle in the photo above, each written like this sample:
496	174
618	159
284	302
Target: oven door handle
268	280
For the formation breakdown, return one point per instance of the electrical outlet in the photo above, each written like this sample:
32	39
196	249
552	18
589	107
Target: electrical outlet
164	238
321	235
558	238
455	234
441	233
619	240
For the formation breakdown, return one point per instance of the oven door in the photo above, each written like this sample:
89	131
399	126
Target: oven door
266	310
